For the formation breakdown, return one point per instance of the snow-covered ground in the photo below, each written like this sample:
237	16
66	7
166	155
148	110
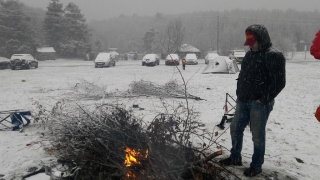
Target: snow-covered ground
292	130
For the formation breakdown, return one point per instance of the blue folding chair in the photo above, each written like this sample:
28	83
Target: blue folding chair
17	118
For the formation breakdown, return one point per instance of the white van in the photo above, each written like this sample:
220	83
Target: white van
104	60
237	54
192	59
210	57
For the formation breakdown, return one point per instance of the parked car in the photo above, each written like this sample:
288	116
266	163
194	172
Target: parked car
23	61
237	54
172	59
150	60
210	56
115	55
5	63
104	60
191	59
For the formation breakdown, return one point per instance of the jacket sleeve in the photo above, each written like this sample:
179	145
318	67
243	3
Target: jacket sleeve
276	66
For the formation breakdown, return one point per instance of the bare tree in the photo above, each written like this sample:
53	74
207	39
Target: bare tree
173	35
285	44
297	33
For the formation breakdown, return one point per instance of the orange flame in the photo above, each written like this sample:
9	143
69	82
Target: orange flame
133	156
131	175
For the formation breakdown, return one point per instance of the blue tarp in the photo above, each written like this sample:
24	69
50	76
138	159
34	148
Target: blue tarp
17	121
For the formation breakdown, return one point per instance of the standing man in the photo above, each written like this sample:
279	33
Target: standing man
87	56
261	79
184	62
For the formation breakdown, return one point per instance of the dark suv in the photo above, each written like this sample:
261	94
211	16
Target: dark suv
4	63
23	61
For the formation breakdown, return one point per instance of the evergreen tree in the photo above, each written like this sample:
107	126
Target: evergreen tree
17	33
148	40
53	25
75	32
97	45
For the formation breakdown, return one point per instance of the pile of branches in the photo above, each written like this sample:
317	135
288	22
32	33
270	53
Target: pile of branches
170	90
87	90
97	140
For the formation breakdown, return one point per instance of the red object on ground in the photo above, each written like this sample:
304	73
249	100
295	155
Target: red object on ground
315	47
225	107
317	114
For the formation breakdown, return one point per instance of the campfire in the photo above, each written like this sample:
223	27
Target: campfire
133	159
159	150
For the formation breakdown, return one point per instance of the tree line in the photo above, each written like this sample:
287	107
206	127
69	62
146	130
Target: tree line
65	28
208	31
23	29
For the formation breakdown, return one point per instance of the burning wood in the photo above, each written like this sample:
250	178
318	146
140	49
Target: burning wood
110	143
133	157
131	175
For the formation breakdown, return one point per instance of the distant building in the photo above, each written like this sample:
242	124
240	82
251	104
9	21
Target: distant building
131	56
302	45
186	49
113	49
45	53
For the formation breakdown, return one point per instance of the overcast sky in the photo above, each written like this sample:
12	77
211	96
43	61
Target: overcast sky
104	9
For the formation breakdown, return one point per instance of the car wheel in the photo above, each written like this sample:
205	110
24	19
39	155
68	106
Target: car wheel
13	68
114	63
143	64
28	66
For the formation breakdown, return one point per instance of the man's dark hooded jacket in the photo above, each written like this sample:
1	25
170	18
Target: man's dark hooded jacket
262	74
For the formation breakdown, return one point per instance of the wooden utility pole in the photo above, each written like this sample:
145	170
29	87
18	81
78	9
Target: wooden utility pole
305	52
218	36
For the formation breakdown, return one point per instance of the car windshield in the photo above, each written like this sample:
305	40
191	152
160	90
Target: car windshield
191	56
103	55
149	56
211	56
18	56
172	56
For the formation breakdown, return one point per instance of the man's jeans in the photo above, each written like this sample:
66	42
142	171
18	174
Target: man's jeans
257	115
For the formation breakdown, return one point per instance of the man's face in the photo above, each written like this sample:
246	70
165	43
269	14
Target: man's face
254	47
